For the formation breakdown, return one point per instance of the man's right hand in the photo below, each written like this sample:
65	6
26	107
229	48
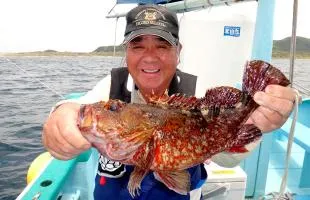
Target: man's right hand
61	136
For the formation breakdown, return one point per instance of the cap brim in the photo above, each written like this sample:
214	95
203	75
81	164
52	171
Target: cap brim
150	31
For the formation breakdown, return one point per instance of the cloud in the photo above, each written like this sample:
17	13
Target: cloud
283	17
70	25
80	25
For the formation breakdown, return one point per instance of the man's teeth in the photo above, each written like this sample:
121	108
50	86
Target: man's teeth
150	70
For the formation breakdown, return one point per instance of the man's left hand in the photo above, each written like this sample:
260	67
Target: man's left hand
276	104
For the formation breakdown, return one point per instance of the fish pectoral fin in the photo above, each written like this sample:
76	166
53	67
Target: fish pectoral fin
143	159
178	181
247	134
121	147
135	180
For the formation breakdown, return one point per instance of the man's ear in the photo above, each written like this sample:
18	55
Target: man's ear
179	48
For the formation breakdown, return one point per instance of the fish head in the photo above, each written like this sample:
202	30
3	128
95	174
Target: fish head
103	116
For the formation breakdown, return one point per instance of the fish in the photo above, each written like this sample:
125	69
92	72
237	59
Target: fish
170	134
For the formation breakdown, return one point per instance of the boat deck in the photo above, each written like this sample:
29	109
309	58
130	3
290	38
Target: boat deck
276	168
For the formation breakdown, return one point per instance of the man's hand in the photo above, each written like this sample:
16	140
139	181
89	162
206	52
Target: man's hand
61	136
276	104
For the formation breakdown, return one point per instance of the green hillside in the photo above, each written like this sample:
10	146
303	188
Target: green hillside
108	49
281	48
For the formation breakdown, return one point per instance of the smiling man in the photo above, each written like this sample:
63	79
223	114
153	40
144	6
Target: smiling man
152	63
152	54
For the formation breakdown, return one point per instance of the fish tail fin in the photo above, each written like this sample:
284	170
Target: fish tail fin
247	134
258	74
178	181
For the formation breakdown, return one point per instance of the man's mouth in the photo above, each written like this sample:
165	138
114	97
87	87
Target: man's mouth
150	70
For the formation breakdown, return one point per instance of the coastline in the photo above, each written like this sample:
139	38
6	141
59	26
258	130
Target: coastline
275	54
43	53
299	55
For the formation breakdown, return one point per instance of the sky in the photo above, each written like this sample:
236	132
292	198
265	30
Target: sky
81	26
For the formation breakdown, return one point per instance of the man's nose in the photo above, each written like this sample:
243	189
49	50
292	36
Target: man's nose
150	54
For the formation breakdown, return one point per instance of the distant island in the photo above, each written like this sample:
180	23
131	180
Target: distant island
281	49
100	51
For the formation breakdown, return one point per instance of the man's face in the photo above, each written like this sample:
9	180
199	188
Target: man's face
152	62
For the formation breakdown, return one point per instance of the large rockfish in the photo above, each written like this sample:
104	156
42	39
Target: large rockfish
169	135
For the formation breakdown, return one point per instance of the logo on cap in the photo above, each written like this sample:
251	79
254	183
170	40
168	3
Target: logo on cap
153	20
150	17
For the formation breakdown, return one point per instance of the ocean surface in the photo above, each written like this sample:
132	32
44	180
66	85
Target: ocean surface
30	86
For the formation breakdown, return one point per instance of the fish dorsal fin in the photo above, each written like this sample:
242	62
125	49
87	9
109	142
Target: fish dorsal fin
179	101
223	96
155	99
178	181
220	98
183	102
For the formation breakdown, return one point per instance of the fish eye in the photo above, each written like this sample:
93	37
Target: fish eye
113	107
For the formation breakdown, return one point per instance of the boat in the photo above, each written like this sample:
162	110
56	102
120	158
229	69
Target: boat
74	179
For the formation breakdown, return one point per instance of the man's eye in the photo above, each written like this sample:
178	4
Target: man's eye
163	46
137	47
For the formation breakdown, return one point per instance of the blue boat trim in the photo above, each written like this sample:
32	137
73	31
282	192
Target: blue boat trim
49	184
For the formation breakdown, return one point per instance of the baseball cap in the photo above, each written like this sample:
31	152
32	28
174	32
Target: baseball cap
152	20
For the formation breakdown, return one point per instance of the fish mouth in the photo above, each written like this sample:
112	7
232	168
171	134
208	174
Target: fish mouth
81	115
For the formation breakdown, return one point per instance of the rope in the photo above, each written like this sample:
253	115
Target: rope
276	196
293	41
36	79
281	195
114	47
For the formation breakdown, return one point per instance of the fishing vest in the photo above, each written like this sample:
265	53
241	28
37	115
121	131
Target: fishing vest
112	177
181	83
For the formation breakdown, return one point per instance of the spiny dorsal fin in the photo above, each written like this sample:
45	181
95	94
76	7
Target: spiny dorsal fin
178	101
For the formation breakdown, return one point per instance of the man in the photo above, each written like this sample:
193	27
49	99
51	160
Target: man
152	55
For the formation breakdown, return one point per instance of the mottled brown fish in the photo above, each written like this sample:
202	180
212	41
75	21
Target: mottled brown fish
172	134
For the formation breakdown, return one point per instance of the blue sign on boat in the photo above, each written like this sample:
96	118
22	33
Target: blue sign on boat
233	31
